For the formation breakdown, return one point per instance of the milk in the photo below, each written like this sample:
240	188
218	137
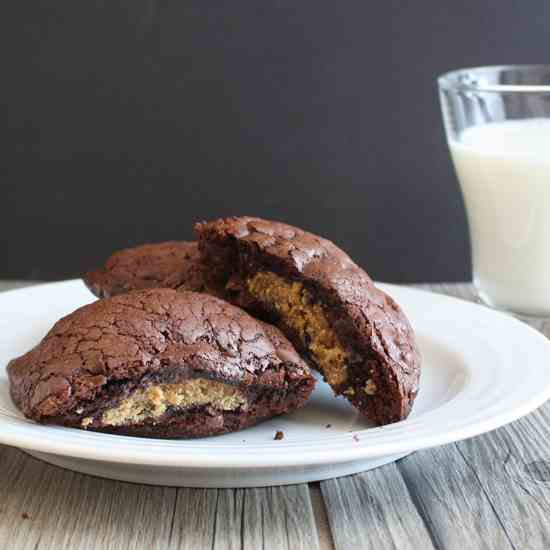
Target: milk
504	171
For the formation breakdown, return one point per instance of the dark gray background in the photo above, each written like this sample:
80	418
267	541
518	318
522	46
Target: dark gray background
128	121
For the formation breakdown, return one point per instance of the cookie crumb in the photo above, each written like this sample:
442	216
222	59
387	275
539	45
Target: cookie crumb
279	435
328	426
355	438
24	515
86	421
370	387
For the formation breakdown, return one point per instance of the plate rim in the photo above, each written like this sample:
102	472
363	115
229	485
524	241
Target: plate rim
348	447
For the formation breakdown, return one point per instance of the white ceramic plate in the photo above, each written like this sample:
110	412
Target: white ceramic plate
481	369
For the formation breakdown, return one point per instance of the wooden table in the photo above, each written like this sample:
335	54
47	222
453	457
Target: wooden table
490	492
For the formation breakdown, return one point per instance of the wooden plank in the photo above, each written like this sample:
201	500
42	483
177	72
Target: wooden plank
194	518
47	507
374	510
451	500
321	518
225	519
512	464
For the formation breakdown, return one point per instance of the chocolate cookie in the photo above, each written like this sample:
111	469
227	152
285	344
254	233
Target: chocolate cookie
159	363
172	264
329	308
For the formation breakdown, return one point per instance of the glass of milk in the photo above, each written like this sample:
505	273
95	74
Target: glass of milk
497	121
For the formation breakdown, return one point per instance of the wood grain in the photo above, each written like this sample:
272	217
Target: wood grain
234	519
451	501
44	507
321	518
512	464
47	507
374	510
513	467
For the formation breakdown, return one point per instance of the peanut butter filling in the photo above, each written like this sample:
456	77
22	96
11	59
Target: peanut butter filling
297	309
153	402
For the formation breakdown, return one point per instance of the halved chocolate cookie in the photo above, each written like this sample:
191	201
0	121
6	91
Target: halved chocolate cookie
159	363
172	264
352	332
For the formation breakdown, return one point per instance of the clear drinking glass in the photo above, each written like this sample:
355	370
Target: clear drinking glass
497	121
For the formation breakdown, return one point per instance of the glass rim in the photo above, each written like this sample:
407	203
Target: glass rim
445	80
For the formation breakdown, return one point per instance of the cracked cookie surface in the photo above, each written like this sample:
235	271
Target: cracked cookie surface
171	264
159	363
345	321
